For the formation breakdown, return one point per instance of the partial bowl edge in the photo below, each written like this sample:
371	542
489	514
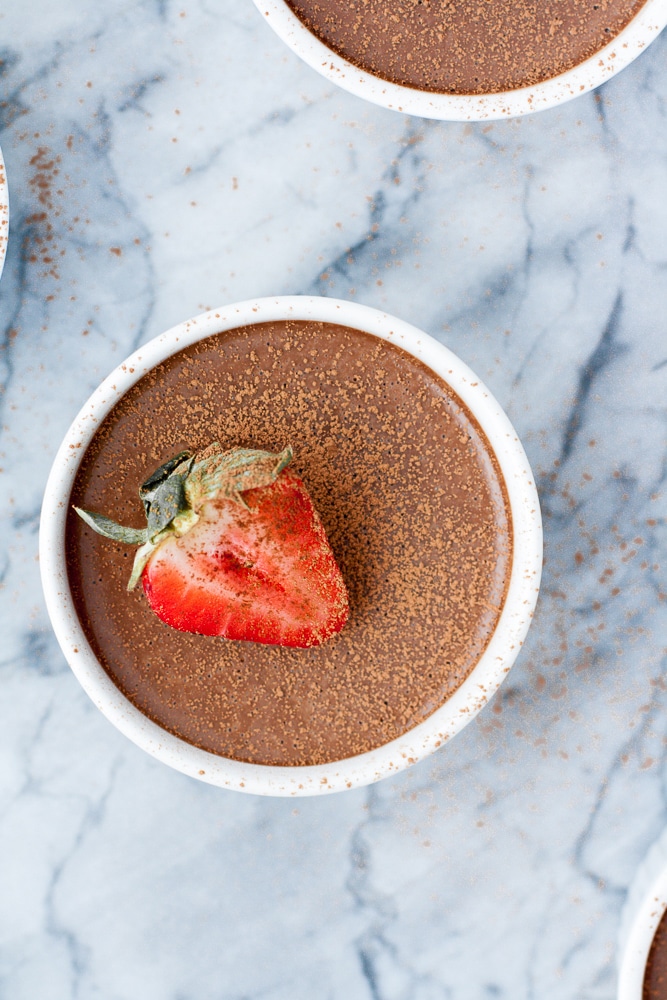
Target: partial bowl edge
4	213
644	907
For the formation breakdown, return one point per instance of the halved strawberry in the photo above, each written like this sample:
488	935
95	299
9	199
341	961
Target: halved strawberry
235	548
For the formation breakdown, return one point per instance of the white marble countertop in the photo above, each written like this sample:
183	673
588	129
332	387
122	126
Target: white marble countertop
163	158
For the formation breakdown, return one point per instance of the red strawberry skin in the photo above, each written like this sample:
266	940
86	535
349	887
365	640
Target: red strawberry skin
264	574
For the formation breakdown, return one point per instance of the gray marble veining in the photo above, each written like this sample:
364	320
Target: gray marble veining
165	158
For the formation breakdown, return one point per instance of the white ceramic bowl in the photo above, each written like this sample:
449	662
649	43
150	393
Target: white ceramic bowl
424	738
4	212
643	911
623	48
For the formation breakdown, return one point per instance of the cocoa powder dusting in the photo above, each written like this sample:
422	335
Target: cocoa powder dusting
412	501
466	46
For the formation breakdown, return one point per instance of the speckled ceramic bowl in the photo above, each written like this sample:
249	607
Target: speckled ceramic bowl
643	911
4	212
623	48
458	710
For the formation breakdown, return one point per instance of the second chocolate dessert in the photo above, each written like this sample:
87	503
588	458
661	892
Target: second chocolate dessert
466	46
413	504
655	977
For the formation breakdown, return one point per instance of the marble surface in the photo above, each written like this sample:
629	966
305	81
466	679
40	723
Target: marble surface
163	158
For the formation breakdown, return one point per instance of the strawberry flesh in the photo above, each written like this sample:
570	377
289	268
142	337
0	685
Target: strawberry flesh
263	573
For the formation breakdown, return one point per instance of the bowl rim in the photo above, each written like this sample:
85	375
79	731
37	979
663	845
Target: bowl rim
645	906
4	212
446	721
623	48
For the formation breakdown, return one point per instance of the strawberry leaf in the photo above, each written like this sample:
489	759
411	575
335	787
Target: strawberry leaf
168	500
229	473
148	489
105	526
141	558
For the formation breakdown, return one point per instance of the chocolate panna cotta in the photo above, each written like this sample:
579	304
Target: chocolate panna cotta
465	46
411	499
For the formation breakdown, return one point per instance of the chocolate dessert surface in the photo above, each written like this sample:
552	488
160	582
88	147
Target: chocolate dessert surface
412	501
655	977
466	46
